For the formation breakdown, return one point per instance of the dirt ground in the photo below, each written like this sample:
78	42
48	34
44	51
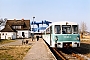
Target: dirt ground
14	51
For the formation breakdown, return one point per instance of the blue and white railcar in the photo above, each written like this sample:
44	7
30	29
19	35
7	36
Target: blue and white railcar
62	34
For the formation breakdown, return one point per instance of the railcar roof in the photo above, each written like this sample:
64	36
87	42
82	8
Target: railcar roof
64	23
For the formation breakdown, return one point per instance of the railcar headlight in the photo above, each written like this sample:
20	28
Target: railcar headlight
56	38
77	38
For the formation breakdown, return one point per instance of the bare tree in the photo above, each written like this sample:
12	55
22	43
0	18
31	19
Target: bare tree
2	22
83	27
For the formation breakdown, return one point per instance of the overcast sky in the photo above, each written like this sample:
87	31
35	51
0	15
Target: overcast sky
52	10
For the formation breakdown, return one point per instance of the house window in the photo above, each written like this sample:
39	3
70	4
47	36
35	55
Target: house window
2	33
16	27
13	27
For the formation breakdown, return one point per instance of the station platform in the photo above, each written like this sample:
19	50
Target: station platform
39	51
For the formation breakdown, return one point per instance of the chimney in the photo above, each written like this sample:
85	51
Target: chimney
14	19
22	19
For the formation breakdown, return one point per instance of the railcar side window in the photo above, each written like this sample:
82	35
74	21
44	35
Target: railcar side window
57	29
48	31
75	29
66	29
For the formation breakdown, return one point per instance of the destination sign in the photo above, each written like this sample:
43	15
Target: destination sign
66	26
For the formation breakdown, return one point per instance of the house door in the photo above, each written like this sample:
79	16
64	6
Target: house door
23	34
5	36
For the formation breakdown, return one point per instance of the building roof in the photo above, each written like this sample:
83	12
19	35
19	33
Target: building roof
8	29
24	23
18	23
64	23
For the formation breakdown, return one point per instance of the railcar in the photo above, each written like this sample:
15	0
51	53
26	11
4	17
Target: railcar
62	34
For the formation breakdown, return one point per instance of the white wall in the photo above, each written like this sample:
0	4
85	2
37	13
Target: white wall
26	33
6	35
13	35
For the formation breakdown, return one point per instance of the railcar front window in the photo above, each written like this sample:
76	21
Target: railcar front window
66	29
48	31
75	29
57	29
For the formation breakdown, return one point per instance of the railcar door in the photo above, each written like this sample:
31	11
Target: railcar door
50	35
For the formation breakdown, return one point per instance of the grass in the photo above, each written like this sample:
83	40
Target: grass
87	37
13	52
6	41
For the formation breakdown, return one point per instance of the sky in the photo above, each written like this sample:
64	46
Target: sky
51	10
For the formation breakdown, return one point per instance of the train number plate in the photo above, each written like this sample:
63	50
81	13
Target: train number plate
67	36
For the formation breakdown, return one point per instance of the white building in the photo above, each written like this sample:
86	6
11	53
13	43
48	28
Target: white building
16	29
8	33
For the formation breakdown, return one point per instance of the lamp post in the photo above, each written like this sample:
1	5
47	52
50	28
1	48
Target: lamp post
33	29
33	23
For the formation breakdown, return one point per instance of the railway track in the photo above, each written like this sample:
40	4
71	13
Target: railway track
60	55
68	54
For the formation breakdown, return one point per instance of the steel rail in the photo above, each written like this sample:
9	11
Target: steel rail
59	54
